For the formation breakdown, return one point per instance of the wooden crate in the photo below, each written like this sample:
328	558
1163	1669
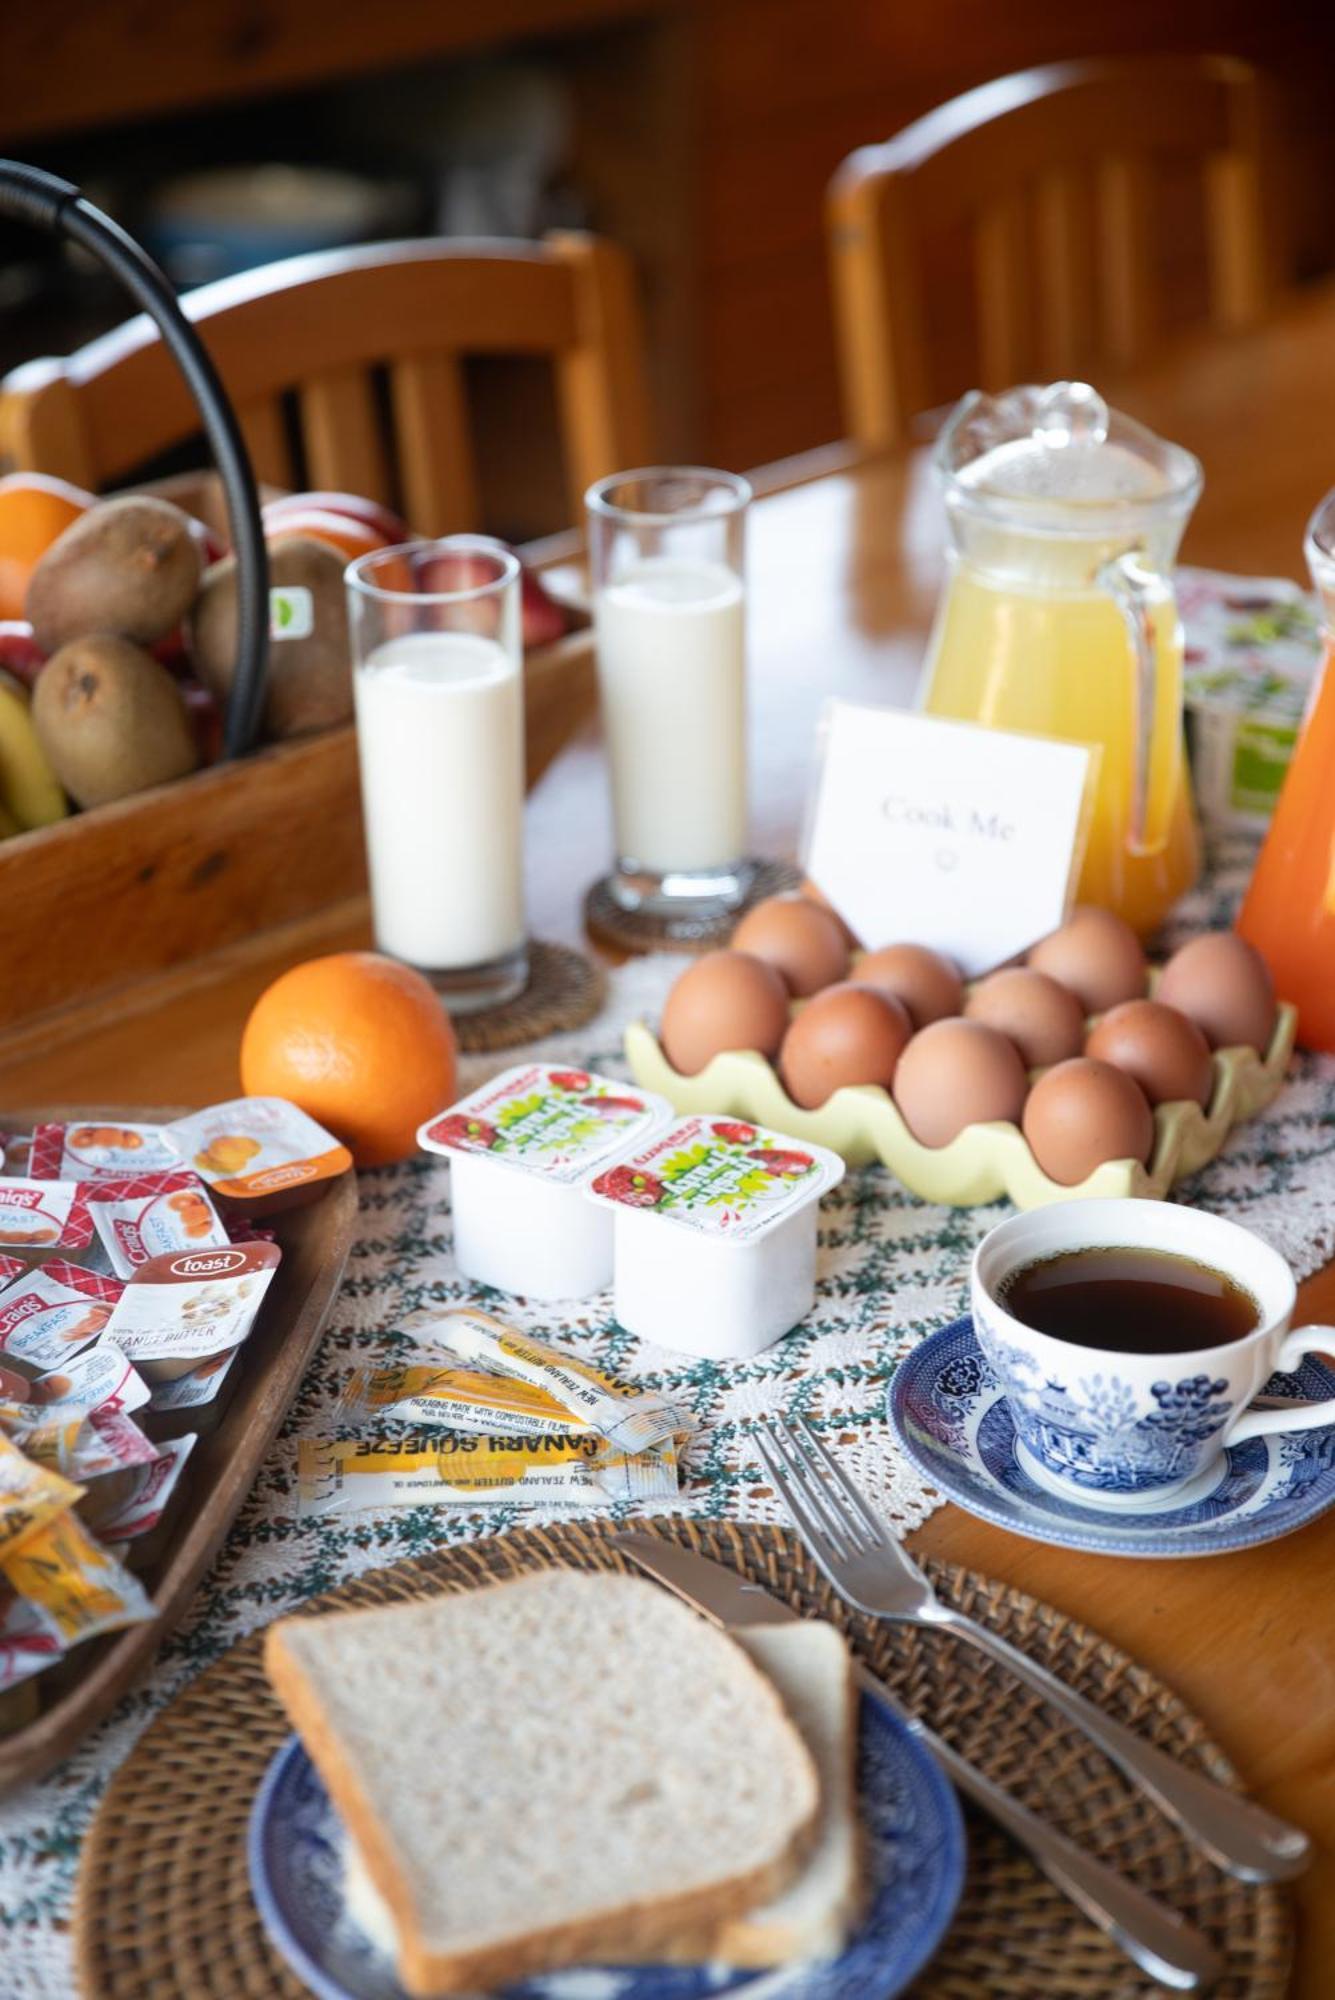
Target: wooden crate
120	894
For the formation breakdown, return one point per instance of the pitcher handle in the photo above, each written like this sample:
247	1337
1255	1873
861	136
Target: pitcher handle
1295	1348
1137	590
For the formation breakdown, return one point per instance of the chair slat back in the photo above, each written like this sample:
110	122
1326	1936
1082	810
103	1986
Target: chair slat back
346	369
1053	176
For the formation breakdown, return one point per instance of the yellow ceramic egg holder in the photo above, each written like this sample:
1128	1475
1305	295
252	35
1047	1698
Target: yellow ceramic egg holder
983	1162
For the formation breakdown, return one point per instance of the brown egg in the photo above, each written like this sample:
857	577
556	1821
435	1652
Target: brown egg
1223	984
926	983
1044	1020
815	895
847	1034
1097	955
726	1000
1084	1112
958	1073
1166	1053
802	941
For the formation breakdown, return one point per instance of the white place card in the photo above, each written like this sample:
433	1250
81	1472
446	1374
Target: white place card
944	834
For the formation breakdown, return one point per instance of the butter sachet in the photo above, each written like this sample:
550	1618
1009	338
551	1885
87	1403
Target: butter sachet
79	1585
31	1496
635	1420
340	1476
457	1398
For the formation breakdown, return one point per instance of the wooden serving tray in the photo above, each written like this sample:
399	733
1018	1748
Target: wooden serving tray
218	1474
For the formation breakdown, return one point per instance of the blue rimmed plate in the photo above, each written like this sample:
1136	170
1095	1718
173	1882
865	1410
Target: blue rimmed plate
914	1862
951	1416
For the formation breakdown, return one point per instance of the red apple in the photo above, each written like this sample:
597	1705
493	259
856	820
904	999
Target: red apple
205	719
544	620
173	652
20	655
211	547
390	527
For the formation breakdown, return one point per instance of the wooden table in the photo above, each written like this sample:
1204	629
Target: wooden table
845	565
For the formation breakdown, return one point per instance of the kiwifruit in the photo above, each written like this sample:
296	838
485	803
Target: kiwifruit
309	682
111	720
130	566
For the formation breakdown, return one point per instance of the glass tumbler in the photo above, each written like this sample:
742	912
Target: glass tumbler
666	551
438	689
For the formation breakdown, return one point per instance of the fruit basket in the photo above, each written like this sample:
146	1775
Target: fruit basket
179	871
984	1162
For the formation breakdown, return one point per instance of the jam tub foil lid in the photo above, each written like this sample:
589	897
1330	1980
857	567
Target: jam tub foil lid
721	1177
99	1149
547	1119
255	1146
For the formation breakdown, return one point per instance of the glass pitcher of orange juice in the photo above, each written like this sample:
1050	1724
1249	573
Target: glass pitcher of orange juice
1058	616
1288	912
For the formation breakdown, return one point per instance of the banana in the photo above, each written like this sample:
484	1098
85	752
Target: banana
8	824
29	793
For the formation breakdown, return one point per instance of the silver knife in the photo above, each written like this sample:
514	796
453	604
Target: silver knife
1162	1944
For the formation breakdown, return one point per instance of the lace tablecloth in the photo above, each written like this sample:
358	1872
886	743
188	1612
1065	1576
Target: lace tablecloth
892	1268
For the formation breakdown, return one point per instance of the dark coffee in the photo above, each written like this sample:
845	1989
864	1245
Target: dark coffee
1130	1301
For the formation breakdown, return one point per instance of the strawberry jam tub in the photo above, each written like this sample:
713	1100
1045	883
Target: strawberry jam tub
715	1235
521	1150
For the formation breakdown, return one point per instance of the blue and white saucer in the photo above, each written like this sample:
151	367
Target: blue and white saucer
951	1416
914	1865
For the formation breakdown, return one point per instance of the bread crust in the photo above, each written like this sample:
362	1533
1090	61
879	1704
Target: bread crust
633	1931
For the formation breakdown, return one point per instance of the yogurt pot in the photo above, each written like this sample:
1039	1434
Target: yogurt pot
715	1235
521	1150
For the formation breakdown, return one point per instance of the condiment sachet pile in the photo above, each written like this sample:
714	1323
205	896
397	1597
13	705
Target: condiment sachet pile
517	1422
125	1296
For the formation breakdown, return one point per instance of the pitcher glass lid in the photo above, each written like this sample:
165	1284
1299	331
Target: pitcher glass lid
1057	459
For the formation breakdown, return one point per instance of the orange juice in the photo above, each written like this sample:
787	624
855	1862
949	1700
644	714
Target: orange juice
1058	617
1057	663
1289	909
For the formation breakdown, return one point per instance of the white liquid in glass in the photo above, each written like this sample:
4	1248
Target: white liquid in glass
672	677
440	734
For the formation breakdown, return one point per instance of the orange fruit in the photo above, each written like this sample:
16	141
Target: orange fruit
35	510
358	1041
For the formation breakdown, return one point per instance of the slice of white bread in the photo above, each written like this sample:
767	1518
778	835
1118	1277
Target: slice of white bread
812	1669
562	1767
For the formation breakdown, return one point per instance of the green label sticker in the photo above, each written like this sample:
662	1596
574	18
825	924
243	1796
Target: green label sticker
291	611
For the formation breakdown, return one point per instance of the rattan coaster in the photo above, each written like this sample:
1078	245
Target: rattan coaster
640	931
565	989
164	1910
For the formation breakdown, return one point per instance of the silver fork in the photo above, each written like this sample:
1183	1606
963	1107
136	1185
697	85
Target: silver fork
871	1571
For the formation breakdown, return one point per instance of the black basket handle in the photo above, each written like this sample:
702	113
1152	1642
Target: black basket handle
28	194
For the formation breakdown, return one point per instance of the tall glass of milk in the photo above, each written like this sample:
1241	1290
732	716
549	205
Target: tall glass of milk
438	688
666	554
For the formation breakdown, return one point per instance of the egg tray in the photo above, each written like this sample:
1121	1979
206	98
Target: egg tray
983	1162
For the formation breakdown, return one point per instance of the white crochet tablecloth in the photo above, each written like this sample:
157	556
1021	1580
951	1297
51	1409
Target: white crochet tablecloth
892	1269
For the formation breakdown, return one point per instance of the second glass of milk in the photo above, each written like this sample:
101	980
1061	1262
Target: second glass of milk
666	553
438	688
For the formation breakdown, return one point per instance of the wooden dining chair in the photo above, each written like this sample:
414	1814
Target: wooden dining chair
1054	178
346	368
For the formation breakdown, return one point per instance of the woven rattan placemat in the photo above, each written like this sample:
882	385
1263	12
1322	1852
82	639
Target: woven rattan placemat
164	1909
565	989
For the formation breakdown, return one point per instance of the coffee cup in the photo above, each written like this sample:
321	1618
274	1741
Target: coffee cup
1126	1429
